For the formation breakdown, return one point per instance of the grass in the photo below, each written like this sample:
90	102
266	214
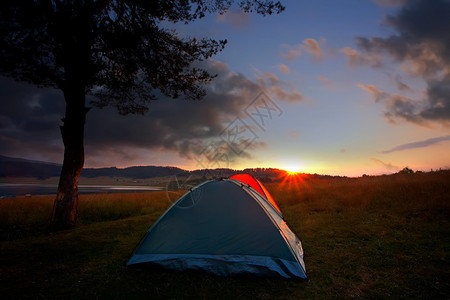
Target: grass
22	217
370	237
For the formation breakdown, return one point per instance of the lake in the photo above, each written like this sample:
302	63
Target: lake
22	189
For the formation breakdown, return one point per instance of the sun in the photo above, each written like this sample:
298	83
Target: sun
292	169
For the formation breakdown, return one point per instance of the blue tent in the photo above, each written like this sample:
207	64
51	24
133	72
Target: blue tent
223	227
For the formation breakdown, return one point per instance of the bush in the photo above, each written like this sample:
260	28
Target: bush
406	170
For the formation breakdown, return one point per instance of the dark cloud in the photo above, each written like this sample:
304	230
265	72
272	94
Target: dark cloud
390	2
401	107
29	120
438	100
402	86
419	144
422	46
434	106
422	38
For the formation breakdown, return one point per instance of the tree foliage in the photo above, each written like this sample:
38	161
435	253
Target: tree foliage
116	50
406	170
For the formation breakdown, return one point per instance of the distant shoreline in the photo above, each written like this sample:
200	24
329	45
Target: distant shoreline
11	190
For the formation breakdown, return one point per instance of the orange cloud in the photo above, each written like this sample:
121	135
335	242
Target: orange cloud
312	46
378	95
293	52
284	69
281	90
309	45
354	58
325	80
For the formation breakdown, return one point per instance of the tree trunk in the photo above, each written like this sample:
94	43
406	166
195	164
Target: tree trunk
65	207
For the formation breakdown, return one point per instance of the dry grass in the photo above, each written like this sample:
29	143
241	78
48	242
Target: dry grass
404	193
371	237
24	216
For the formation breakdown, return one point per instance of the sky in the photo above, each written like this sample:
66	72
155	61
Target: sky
346	87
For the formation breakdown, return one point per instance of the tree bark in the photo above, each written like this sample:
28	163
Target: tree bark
65	208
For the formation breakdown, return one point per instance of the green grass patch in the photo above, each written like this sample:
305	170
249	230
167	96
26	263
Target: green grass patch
371	237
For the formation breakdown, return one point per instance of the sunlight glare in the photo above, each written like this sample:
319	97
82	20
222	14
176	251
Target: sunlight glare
292	169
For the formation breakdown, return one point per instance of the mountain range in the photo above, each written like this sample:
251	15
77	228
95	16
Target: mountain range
19	167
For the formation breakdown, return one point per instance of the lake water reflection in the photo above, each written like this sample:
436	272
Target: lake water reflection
22	189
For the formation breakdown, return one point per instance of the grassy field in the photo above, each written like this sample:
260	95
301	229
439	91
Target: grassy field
156	181
370	237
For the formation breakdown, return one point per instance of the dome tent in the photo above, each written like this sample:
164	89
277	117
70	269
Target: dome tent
258	186
223	227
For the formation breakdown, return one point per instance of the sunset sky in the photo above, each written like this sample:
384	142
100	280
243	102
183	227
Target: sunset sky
346	87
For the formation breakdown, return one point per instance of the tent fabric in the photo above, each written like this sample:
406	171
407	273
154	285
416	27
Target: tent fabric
223	265
223	228
257	185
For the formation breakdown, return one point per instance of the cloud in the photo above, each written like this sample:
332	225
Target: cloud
293	133
433	107
377	94
325	80
387	165
354	58
292	52
278	89
284	69
437	101
421	45
419	144
30	116
309	45
402	86
29	120
312	46
390	2
184	127
235	18
401	107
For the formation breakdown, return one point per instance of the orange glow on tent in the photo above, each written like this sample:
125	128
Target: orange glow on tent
258	186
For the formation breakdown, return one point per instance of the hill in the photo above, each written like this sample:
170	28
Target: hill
19	167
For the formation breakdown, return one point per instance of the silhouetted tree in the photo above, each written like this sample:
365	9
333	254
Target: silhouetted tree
117	51
406	170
